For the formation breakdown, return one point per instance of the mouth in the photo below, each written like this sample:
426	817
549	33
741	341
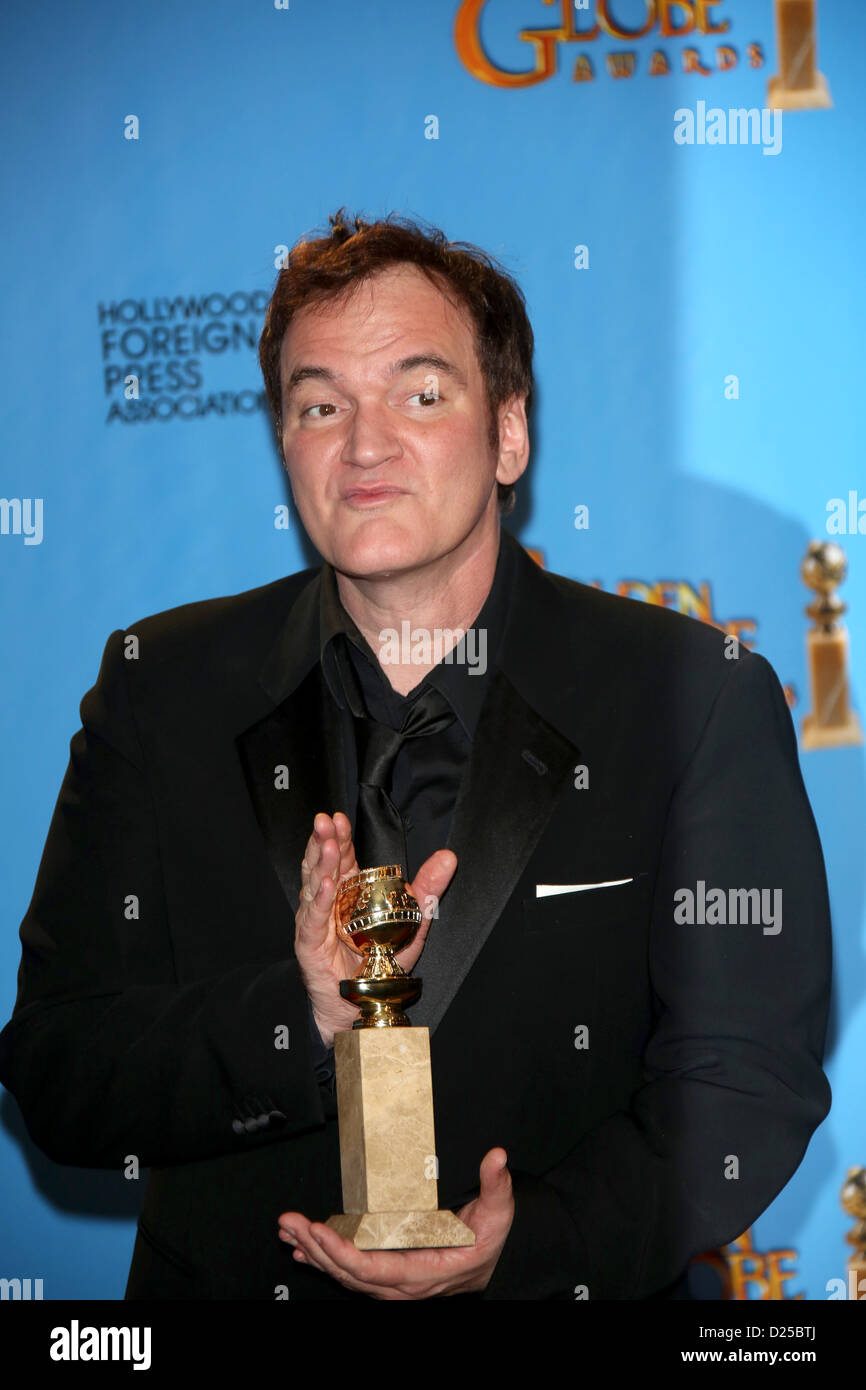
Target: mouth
371	496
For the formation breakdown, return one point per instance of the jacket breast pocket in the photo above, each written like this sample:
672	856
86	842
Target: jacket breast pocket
588	909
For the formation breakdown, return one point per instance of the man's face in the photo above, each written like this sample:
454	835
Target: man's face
385	427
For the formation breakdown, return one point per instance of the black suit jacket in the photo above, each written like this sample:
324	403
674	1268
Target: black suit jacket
158	963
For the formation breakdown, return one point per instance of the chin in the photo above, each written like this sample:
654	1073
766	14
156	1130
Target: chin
377	550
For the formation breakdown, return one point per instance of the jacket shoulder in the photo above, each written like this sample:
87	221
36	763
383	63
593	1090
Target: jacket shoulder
212	630
650	631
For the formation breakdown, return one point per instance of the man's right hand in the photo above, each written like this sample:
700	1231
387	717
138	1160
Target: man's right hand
323	959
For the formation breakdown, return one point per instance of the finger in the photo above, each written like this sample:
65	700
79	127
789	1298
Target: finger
323	828
343	828
294	1229
312	1247
348	859
289	1223
327	866
301	1254
312	853
313	919
323	849
318	886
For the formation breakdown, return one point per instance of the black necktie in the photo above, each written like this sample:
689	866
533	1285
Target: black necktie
380	836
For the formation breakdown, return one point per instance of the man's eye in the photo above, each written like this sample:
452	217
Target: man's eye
324	405
427	397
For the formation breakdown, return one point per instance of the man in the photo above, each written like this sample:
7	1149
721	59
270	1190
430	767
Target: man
618	1084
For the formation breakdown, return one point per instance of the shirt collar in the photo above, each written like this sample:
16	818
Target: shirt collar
356	679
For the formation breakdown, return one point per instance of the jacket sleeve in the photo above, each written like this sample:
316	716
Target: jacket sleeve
107	1054
733	1085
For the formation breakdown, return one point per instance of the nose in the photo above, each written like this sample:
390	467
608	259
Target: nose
371	437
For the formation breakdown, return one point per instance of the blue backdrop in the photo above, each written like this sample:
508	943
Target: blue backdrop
699	369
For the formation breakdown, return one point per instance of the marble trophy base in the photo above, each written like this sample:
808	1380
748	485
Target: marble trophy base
387	1143
833	724
845	735
402	1230
811	98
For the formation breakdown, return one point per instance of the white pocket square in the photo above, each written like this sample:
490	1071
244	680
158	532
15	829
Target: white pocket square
547	890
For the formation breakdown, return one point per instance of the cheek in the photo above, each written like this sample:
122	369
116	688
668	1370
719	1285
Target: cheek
308	473
468	481
463	460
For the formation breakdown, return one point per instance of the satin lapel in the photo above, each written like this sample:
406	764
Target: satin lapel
295	744
294	759
518	767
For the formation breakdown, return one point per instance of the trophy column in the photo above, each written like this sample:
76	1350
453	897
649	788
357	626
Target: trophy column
384	1081
798	85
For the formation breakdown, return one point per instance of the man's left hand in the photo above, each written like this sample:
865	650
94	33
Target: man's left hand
415	1273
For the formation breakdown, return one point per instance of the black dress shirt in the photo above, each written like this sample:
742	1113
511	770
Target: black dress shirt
427	771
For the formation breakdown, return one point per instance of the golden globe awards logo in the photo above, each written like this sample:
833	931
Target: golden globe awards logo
745	1274
698	37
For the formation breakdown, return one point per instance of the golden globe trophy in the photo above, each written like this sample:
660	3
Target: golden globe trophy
832	723
854	1202
384	1083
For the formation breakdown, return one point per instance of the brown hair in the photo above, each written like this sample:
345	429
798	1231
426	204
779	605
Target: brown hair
325	267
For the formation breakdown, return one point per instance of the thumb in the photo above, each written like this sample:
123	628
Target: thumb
496	1189
427	888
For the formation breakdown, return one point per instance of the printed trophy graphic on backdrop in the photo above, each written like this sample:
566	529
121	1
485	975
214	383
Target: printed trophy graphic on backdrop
798	85
854	1202
384	1081
832	723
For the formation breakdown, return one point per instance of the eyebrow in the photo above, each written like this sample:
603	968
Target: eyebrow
405	364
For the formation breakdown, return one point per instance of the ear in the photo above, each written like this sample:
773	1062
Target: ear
513	440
